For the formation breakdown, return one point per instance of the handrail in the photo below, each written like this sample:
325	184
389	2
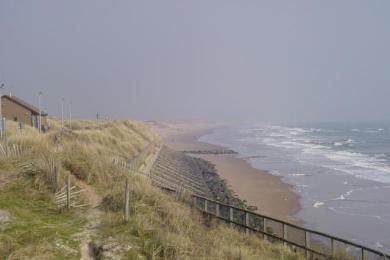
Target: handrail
306	247
283	238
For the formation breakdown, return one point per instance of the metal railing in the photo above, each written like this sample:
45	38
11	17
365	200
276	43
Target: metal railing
314	244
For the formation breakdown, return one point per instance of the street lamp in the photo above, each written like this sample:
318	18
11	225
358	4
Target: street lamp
97	119
70	114
40	110
1	95
62	113
1	112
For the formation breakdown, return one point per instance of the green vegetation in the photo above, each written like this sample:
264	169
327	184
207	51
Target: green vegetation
36	228
161	226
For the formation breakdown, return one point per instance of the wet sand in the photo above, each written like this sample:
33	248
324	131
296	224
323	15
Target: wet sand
258	188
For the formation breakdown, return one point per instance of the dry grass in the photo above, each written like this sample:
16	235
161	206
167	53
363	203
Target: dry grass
164	226
161	226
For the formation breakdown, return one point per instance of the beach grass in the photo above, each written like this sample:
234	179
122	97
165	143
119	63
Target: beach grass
161	226
36	228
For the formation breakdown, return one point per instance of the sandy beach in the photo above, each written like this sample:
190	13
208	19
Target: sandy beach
258	188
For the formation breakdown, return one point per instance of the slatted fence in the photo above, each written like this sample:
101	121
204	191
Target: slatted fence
67	196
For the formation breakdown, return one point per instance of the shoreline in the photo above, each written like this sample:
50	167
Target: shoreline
268	193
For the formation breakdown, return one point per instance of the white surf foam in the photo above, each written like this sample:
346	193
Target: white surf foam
318	204
305	150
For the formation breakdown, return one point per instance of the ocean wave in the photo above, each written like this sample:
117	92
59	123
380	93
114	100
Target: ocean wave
343	212
318	204
305	149
348	142
299	174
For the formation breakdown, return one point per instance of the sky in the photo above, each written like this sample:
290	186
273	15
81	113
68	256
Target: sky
206	59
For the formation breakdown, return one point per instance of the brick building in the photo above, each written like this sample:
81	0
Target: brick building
16	109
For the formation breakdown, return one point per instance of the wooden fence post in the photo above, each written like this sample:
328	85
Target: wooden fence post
247	222
265	228
205	206
68	192
127	201
217	210
231	217
56	179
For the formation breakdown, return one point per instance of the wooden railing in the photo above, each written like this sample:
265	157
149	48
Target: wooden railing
314	244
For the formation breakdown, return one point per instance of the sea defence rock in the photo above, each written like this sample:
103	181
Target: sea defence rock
177	171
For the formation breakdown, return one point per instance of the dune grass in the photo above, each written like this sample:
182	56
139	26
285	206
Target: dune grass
37	230
161	226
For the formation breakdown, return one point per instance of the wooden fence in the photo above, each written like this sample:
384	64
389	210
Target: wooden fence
67	196
10	150
139	162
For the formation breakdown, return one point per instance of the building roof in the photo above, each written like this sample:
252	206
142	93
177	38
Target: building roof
24	104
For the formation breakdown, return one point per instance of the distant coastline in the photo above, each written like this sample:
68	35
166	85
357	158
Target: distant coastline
267	193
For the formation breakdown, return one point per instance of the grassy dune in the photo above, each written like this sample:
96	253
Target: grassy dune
161	226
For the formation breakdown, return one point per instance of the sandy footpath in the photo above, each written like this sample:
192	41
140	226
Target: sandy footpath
267	192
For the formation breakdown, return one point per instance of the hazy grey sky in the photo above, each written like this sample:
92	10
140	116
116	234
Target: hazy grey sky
265	60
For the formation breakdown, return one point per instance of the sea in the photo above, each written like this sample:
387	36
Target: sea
341	172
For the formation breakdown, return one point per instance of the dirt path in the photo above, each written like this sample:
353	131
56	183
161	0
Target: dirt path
93	217
94	214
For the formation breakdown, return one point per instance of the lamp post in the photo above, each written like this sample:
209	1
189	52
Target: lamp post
70	115
40	111
62	113
1	111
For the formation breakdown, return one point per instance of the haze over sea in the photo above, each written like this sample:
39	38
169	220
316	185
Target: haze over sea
340	170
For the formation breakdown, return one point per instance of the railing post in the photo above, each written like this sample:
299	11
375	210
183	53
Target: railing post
231	217
363	256
246	222
205	206
127	201
307	244
332	246
265	228
68	192
284	234
217	209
